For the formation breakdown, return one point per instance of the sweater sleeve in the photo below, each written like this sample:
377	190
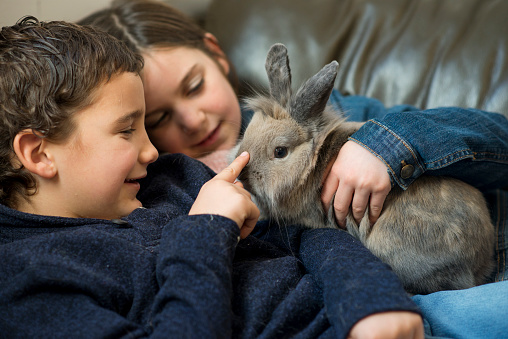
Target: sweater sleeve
355	283
194	270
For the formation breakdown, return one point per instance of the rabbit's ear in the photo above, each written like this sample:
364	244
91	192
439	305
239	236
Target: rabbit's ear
279	73
311	98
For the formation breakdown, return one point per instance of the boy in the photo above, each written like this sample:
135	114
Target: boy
80	258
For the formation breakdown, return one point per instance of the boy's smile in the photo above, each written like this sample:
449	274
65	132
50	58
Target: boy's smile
99	166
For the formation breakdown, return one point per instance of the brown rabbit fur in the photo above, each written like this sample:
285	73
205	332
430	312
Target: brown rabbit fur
436	235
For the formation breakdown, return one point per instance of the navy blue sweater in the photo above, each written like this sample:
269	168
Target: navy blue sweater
162	273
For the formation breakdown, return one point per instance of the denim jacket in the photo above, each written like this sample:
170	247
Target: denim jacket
433	141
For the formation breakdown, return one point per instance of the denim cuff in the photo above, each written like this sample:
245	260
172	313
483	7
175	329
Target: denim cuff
403	162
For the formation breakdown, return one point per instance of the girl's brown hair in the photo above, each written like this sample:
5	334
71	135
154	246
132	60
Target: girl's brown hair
151	24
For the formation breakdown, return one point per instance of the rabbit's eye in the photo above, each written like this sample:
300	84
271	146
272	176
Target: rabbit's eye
280	152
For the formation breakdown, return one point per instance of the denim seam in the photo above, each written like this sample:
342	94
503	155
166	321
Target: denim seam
448	162
449	155
498	157
415	158
469	154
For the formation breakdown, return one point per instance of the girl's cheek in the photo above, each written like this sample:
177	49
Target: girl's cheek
159	139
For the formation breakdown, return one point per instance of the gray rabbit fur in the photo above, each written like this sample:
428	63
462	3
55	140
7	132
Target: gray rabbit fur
436	235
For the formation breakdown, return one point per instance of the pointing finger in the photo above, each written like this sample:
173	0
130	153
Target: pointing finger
231	172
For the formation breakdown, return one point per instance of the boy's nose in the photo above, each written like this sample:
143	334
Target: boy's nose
148	153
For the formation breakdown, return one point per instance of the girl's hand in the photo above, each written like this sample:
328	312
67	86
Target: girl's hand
389	325
358	179
225	196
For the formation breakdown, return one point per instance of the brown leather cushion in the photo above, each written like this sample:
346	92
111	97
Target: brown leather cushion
426	53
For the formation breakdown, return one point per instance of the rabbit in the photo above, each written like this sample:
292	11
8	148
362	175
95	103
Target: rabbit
435	235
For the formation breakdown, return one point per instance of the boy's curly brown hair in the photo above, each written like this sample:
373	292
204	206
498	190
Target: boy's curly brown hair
49	70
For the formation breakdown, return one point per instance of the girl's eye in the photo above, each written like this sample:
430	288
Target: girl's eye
280	152
195	85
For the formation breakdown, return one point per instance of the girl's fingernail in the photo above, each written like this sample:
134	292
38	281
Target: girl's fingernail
244	154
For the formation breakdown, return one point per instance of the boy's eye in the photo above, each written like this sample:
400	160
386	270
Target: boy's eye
128	131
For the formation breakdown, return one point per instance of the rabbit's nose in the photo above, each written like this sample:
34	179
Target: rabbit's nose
244	174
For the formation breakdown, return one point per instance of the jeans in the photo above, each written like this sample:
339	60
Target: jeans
478	312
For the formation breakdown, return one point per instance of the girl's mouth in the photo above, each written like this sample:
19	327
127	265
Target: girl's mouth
211	138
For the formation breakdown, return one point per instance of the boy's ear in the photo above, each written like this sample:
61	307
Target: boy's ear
31	151
212	43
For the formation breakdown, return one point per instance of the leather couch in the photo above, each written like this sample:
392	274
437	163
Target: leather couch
426	53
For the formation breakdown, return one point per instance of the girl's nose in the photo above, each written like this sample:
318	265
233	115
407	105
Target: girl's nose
190	119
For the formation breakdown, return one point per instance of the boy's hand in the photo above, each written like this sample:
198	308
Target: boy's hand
223	196
358	179
389	325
